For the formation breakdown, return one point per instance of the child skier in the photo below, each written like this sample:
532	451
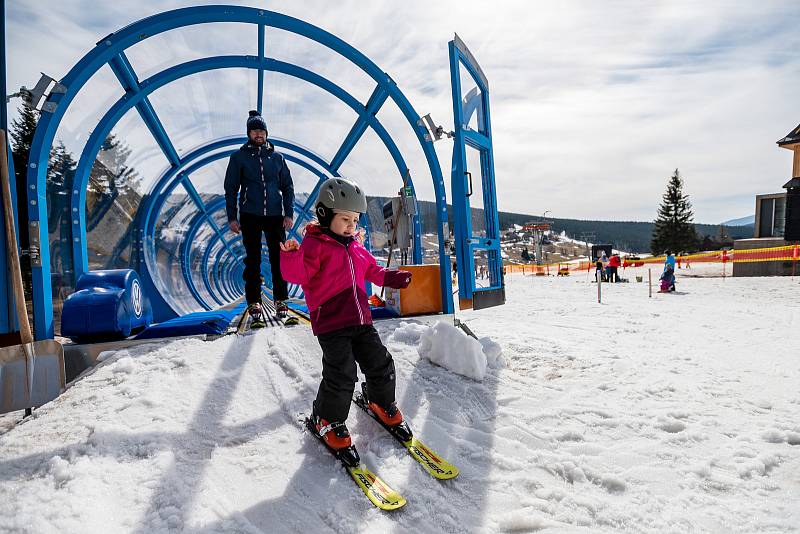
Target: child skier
331	265
668	276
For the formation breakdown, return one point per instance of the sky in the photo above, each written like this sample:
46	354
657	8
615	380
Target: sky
593	105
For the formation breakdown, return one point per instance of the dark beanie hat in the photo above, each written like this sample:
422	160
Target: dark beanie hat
256	122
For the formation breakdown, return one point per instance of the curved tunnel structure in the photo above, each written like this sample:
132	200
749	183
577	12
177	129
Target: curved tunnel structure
173	231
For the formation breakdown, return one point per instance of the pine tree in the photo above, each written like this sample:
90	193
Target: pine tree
674	229
22	130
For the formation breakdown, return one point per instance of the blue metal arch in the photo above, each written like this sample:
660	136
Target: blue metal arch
110	50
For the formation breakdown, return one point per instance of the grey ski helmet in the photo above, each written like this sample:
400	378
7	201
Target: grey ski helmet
339	194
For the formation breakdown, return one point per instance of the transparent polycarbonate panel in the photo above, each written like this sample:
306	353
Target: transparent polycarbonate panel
403	135
475	168
198	247
305	114
206	106
471	101
130	153
61	265
114	193
94	99
319	59
213	266
159	52
304	182
371	166
209	180
173	224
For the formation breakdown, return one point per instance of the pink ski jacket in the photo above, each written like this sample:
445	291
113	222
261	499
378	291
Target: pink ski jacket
332	276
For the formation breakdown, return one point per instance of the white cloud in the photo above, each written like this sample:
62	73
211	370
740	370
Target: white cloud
593	104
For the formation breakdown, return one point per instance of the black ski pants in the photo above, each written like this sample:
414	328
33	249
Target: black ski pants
253	226
341	350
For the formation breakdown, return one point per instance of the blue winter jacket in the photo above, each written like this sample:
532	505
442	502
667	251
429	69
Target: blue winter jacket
258	177
669	263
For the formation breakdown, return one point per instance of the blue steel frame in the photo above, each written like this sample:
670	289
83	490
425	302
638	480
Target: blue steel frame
110	50
466	243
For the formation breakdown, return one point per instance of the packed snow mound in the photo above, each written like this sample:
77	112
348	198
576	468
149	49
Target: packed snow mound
409	333
449	347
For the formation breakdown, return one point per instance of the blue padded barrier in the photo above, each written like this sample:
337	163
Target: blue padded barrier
106	305
209	322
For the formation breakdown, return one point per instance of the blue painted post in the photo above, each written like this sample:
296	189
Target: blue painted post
6	295
260	96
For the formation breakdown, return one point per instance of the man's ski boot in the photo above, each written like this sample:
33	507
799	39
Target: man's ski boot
389	416
281	309
256	315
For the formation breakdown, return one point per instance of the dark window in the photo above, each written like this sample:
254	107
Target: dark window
766	215
780	217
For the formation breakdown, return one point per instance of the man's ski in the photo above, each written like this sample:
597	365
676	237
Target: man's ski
376	490
434	464
288	320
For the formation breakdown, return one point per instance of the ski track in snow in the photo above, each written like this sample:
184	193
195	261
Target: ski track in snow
671	414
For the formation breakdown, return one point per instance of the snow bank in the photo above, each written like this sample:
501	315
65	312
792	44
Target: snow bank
449	347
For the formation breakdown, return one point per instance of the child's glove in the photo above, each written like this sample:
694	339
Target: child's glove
397	279
405	280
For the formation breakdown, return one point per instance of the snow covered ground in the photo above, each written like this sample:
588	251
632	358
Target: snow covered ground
672	414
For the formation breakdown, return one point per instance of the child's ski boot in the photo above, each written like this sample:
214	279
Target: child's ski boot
389	416
336	438
335	434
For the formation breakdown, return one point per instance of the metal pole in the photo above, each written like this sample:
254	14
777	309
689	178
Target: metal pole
650	283
599	284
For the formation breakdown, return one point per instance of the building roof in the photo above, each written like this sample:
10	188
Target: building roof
791	138
791	184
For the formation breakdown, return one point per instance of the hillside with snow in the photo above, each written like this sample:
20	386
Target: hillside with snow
676	413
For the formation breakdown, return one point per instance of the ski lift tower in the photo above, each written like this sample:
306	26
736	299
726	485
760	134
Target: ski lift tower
538	229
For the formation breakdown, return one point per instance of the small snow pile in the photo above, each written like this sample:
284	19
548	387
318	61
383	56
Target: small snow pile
492	351
449	347
408	333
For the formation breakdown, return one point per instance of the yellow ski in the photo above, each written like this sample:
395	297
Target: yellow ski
434	464
376	490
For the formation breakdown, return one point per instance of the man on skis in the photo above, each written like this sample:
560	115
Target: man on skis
259	199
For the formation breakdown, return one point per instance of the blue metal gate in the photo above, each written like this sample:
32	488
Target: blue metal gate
476	229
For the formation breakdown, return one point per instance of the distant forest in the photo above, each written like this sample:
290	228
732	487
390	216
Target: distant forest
630	236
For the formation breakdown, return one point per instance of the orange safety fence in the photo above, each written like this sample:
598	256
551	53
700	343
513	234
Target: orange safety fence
785	253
